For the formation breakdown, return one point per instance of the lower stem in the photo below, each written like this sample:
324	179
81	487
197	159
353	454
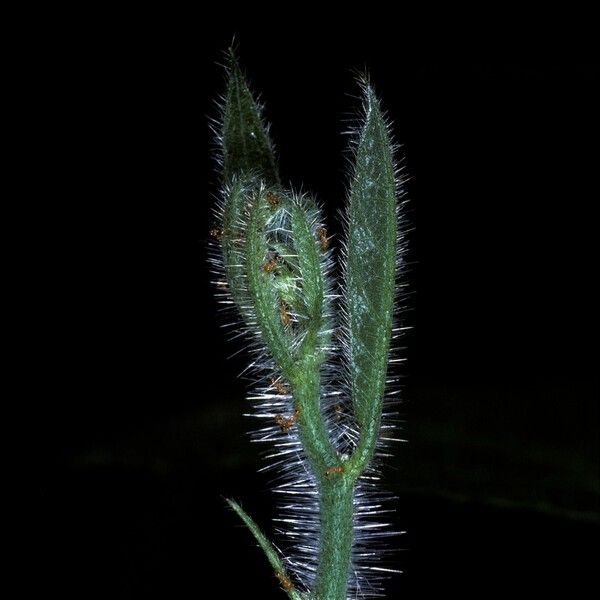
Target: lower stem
335	553
335	487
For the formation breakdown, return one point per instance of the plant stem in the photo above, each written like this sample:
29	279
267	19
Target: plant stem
312	431
335	489
336	506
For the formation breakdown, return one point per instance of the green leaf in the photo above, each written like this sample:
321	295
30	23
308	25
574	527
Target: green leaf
247	147
264	294
370	273
281	220
311	276
271	553
236	198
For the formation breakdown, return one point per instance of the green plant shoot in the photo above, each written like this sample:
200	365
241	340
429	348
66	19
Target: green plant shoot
321	357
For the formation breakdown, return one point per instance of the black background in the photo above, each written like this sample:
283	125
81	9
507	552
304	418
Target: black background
142	427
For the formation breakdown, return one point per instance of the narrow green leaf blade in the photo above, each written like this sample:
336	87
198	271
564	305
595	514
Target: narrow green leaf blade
271	553
247	147
236	197
370	271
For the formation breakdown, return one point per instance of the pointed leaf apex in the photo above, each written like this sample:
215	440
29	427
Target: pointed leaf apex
246	144
372	101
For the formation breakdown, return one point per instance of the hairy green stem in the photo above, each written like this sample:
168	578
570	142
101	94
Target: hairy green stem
335	552
311	426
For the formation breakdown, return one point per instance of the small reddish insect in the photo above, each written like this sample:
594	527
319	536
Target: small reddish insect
279	386
323	239
336	469
284	580
287	422
216	232
271	264
273	199
284	313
